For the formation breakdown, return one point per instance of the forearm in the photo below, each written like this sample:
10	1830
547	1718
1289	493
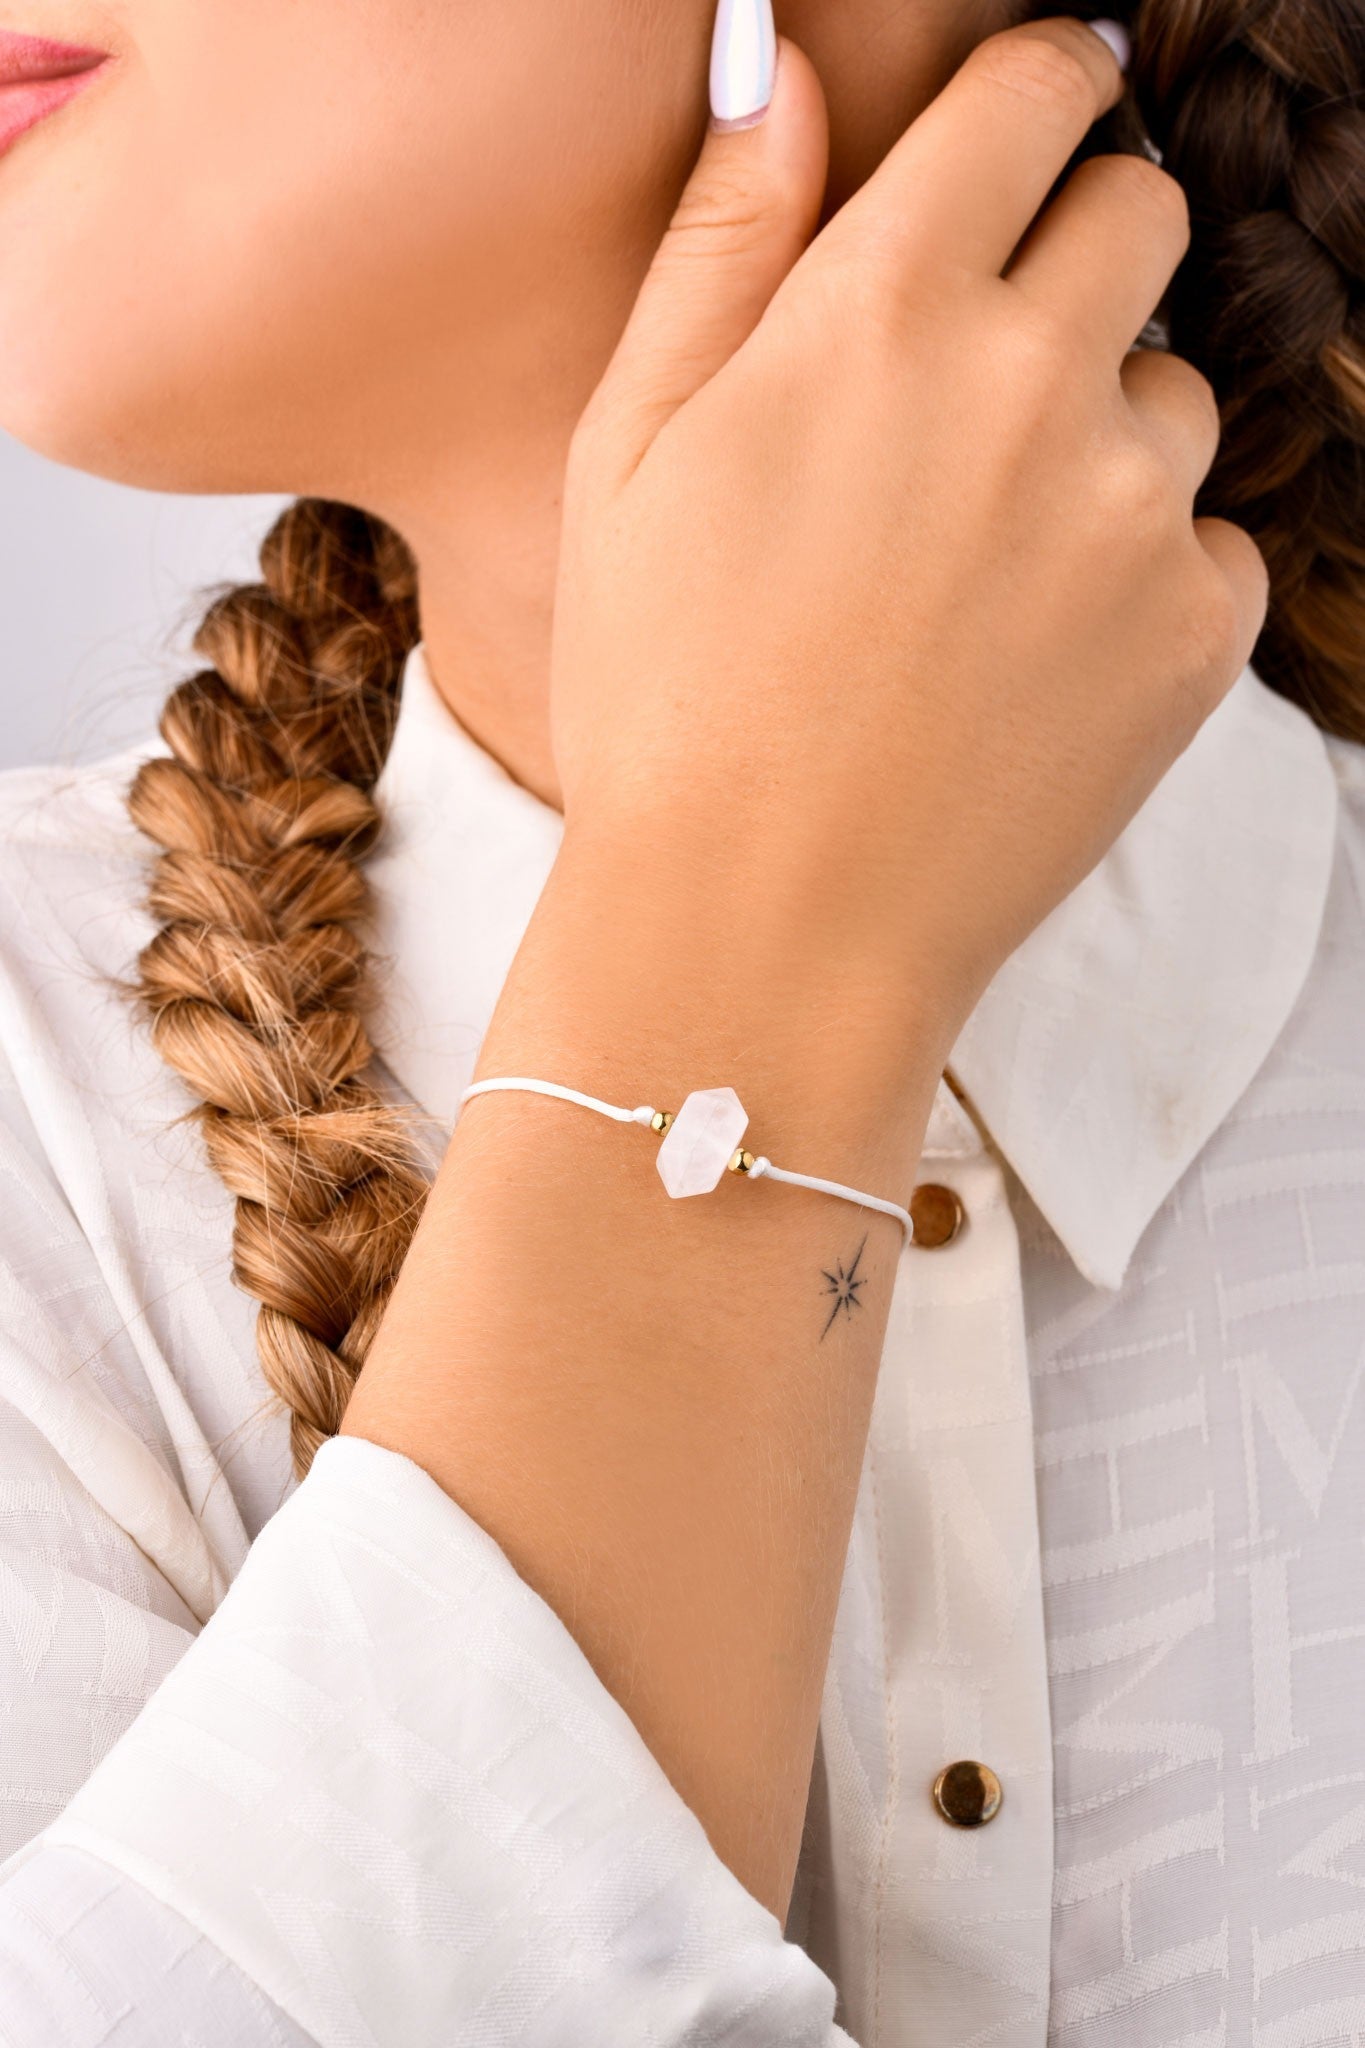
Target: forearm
659	1408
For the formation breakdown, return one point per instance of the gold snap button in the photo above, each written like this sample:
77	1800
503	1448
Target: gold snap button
967	1794
937	1214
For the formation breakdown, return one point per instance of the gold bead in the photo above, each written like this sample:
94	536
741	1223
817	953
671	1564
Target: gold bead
661	1120
741	1162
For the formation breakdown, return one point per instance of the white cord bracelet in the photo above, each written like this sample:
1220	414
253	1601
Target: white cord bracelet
701	1142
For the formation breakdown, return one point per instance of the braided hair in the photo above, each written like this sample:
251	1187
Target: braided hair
256	983
1260	112
1257	108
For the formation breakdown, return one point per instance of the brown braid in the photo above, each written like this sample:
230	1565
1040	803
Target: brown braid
255	985
1258	109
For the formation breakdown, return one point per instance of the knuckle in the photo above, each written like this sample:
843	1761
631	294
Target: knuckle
851	292
1198	392
1146	188
1258	568
1171	377
723	211
1047	70
1029	353
1208	639
1138	493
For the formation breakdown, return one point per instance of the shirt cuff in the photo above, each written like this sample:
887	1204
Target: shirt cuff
388	1784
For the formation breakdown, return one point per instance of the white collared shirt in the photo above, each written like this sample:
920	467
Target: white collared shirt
335	1774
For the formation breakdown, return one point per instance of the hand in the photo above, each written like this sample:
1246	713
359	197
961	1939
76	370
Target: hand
880	586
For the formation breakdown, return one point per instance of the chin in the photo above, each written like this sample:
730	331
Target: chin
129	414
61	395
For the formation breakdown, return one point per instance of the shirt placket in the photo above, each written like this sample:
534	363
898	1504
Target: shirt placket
936	1931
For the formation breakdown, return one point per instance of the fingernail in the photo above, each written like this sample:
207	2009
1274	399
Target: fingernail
1117	37
743	63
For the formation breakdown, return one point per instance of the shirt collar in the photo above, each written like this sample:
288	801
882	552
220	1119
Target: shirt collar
1102	1057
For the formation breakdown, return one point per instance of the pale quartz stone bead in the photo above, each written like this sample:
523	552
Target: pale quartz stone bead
701	1140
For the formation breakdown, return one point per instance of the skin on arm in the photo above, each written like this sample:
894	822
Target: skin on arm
884	782
652	1403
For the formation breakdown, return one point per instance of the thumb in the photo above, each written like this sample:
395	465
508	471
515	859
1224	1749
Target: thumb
746	214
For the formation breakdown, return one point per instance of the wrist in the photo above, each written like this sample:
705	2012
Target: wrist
818	893
642	977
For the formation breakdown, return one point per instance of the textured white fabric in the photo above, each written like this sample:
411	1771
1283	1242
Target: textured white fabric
1107	1536
70	1927
334	1786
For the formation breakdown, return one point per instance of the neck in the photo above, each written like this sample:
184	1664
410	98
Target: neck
486	560
484	428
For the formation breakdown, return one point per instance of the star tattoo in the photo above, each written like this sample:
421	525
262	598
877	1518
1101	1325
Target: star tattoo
844	1287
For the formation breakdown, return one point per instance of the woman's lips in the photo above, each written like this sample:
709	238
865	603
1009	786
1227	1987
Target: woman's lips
36	77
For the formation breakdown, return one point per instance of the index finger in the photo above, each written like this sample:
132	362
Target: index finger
965	180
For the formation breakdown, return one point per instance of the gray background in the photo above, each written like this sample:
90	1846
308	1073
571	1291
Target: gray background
100	588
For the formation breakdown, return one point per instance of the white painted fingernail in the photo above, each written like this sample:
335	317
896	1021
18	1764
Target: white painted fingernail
1116	36
743	63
